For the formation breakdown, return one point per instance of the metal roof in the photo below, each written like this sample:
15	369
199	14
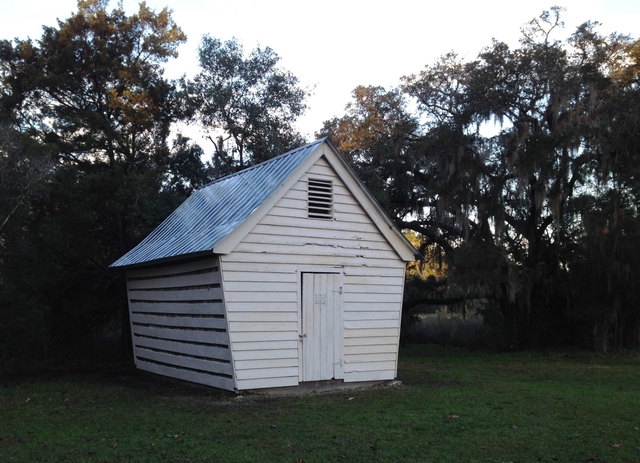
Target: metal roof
215	210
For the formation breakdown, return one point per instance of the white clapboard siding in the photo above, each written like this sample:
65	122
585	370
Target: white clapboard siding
178	322
261	277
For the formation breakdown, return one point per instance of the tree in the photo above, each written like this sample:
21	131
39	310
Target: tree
510	210
375	135
246	99
506	203
92	89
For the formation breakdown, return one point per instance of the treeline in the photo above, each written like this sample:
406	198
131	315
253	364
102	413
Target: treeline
517	169
90	163
520	169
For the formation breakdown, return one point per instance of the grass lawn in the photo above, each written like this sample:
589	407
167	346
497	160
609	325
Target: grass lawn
454	405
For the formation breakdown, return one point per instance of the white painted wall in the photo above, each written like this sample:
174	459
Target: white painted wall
261	283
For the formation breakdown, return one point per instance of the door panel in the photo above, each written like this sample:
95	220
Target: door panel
321	327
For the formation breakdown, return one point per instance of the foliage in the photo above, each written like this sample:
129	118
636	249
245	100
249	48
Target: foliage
247	99
504	407
508	210
106	126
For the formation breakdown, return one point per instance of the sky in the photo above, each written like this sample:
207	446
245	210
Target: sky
332	46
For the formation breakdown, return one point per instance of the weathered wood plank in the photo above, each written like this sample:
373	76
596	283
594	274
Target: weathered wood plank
265	373
199	279
372	306
268	306
361	316
187	375
264	287
243	276
311	249
276	220
199	308
198	350
397	270
372	341
242	365
256	336
260	297
261	316
172	269
254	241
369	366
261	383
371	357
357	376
389	297
265	354
255	346
365	282
181	361
370	333
180	322
371	324
362	234
369	349
204	294
208	337
262	326
375	289
329	259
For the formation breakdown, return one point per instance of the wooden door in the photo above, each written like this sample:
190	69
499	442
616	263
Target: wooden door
321	327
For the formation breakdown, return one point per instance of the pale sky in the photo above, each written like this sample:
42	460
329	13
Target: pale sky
336	45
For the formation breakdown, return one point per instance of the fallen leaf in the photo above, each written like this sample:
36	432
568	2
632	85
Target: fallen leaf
115	444
616	446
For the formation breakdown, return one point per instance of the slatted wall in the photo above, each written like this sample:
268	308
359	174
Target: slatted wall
261	288
178	322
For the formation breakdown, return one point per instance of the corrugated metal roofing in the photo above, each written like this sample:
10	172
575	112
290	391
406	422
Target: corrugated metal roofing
216	210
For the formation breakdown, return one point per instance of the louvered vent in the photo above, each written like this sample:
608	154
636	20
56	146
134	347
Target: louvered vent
320	199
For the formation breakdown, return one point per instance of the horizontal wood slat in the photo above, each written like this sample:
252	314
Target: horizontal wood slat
262	316
261	345
173	269
207	337
187	375
199	350
180	321
368	366
266	363
372	341
371	324
199	279
263	354
197	308
357	376
186	362
204	294
266	373
264	326
262	383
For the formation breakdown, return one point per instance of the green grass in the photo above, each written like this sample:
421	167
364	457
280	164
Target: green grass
453	406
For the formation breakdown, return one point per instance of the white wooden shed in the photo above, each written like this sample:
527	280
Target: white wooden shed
283	273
